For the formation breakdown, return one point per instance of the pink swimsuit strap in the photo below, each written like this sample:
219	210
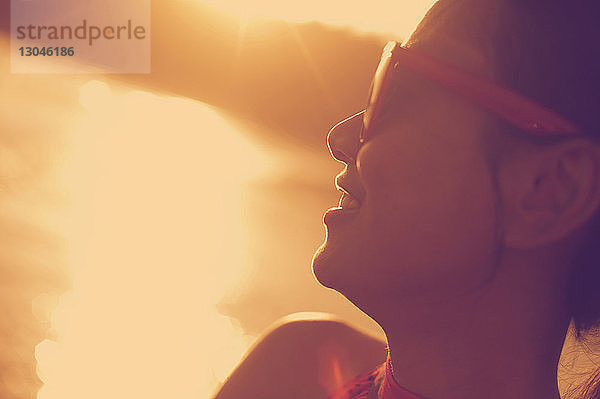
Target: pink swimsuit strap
390	389
359	386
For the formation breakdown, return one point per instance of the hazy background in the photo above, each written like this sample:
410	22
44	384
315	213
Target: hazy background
155	224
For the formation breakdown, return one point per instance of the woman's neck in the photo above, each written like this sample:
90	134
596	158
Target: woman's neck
501	342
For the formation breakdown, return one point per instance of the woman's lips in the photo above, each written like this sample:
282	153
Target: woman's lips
348	202
347	206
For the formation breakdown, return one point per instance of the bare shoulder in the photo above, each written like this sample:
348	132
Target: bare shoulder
303	356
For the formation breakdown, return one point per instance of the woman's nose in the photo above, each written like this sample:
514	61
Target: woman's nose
343	139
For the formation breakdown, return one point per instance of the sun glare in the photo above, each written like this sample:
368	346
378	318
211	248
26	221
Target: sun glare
388	17
155	238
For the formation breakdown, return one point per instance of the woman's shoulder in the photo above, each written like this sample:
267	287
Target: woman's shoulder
304	356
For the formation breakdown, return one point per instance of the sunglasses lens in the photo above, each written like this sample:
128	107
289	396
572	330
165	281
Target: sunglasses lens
379	87
367	115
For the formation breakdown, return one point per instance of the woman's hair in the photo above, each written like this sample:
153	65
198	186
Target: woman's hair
549	51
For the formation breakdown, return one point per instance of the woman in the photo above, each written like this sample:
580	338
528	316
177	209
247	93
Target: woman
468	217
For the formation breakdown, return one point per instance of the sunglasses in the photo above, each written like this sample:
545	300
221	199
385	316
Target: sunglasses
514	108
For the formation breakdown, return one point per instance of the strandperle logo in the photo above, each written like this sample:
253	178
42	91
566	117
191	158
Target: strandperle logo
84	31
75	36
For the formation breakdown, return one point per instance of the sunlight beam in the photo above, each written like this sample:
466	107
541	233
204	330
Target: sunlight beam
322	83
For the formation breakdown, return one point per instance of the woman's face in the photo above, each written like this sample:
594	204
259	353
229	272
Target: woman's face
426	228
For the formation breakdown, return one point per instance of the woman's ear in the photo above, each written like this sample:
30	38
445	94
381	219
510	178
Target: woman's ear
549	192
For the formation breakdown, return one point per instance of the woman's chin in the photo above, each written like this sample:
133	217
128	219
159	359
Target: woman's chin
330	265
324	266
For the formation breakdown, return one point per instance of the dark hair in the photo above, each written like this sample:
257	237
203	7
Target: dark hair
548	51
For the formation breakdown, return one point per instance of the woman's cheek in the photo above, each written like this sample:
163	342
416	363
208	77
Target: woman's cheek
383	218
376	163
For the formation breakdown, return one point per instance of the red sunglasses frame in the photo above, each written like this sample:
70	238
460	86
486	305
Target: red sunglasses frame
511	106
